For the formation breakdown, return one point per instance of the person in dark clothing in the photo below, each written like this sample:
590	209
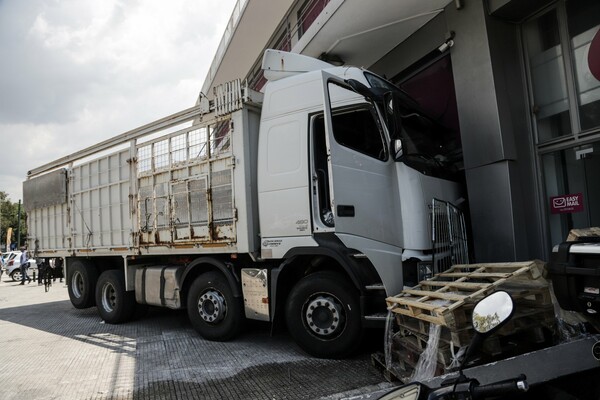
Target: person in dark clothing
58	269
42	264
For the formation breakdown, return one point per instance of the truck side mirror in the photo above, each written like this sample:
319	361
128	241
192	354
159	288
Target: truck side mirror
393	121
489	314
397	149
492	312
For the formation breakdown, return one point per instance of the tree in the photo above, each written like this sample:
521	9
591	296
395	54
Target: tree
9	212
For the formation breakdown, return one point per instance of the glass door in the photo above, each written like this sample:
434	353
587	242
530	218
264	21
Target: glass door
572	180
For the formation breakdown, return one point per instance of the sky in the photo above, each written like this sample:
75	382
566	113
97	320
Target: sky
76	72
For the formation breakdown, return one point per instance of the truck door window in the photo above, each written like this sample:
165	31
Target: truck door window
358	130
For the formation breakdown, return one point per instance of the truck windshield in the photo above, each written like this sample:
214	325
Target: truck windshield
428	146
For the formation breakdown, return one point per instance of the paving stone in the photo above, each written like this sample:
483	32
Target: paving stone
50	350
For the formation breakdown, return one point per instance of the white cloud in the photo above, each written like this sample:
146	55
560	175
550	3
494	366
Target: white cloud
76	72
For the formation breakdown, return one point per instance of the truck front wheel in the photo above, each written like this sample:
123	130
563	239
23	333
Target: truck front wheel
81	283
213	310
115	304
323	315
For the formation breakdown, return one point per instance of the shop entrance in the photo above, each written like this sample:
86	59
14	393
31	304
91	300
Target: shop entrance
562	55
572	180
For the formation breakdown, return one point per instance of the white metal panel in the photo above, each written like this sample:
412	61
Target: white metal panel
255	285
100	203
278	247
48	226
415	208
283	176
245	150
292	95
386	259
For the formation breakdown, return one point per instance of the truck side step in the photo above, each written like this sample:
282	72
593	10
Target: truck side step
376	317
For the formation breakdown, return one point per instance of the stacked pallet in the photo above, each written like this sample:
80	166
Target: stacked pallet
447	300
576	234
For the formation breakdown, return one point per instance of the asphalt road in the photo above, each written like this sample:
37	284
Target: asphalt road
50	350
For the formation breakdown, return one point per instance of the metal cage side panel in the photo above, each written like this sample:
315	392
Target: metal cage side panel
99	203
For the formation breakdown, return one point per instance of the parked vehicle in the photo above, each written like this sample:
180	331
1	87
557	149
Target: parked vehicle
7	256
308	204
12	265
575	273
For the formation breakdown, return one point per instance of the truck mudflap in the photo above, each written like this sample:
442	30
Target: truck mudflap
539	366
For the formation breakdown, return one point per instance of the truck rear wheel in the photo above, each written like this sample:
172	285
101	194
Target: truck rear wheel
115	304
81	283
213	310
323	315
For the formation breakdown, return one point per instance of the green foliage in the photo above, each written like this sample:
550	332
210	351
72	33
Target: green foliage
485	323
9	212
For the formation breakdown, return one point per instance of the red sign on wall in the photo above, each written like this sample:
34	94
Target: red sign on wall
567	203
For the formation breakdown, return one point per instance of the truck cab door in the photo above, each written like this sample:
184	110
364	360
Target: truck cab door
353	173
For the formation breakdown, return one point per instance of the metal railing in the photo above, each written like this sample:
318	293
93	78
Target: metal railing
288	34
235	18
448	236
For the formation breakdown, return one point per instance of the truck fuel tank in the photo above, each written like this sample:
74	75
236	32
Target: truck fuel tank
158	286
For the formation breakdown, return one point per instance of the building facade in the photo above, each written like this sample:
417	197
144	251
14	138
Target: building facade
518	83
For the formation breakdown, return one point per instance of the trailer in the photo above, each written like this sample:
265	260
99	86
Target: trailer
308	204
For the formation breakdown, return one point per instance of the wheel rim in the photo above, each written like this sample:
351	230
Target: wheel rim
324	315
77	284
109	297
212	306
16	276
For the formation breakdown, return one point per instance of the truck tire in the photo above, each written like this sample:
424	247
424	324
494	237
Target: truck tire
115	304
81	284
212	309
323	315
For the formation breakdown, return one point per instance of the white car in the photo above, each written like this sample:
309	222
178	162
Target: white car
11	264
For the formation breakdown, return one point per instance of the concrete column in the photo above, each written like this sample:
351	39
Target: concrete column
492	106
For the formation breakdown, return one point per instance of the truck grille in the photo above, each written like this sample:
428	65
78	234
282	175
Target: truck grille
448	236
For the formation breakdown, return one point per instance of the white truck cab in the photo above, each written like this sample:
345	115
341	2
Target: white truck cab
326	168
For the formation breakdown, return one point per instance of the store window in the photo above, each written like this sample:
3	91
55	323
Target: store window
548	80
562	53
572	178
583	17
562	59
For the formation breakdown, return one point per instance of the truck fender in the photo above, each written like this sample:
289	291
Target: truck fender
344	262
357	271
360	271
205	264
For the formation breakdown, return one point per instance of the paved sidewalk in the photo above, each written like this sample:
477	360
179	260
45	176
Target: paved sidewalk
50	350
